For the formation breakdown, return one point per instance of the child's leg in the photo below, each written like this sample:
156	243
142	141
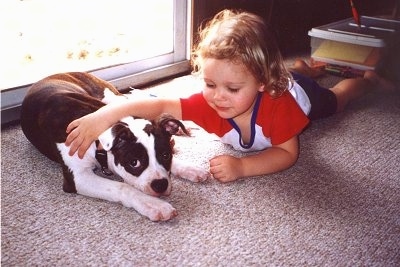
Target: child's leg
348	89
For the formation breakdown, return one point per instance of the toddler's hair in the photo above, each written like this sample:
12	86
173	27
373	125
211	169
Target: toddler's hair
243	38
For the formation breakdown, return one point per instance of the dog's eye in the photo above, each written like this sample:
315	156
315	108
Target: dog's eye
135	164
166	156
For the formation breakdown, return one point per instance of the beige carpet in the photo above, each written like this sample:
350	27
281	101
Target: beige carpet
338	206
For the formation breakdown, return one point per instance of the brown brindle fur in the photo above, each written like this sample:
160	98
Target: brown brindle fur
59	94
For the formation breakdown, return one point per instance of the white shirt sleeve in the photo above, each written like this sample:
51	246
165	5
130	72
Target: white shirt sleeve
300	96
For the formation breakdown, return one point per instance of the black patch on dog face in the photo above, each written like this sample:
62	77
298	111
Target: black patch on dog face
133	156
162	144
127	152
163	151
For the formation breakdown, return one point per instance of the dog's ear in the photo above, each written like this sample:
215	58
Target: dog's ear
171	125
114	135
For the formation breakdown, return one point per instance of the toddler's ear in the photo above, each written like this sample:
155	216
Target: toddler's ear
261	88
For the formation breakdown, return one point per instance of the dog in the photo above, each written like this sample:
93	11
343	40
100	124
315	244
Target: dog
138	150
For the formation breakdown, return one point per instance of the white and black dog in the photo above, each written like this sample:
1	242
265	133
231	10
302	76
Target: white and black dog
137	150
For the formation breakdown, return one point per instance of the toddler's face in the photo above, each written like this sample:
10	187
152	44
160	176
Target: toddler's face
229	88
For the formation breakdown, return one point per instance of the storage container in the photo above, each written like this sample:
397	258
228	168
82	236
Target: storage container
345	43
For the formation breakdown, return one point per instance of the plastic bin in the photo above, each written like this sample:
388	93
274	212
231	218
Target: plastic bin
344	43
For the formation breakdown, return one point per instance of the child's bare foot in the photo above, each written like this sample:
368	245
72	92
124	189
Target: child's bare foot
379	82
300	66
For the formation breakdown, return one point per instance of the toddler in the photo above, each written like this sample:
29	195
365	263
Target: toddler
249	99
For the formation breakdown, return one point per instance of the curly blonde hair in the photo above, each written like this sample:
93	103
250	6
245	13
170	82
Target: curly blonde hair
244	38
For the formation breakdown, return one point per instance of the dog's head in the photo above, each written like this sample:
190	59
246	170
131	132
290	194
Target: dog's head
141	151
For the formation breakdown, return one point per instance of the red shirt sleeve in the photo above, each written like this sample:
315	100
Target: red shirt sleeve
281	118
196	109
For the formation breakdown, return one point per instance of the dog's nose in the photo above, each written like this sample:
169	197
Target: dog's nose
159	185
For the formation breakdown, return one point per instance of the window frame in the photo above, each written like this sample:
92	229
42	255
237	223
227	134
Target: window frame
123	76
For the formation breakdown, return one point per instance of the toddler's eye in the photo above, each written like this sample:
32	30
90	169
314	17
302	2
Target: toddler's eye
233	90
208	83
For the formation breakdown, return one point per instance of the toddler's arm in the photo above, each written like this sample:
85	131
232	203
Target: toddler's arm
277	158
85	130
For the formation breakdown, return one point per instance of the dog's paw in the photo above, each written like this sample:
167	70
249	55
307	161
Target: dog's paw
158	210
195	174
192	173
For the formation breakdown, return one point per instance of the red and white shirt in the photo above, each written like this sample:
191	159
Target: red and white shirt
274	120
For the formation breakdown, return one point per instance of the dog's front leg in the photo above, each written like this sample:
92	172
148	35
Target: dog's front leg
89	184
187	171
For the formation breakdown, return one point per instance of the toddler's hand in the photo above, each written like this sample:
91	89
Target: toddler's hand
226	168
83	132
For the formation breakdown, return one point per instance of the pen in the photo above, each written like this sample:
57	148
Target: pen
356	16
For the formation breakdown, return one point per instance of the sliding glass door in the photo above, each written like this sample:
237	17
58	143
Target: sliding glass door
127	42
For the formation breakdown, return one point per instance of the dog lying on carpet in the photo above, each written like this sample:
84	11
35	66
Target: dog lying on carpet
138	150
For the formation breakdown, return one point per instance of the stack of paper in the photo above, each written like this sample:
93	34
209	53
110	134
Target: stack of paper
339	52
